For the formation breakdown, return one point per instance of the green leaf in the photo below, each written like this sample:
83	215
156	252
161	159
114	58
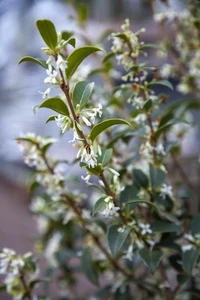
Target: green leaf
169	124
51	118
99	205
129	193
107	57
77	56
116	239
105	156
89	267
148	105
157	177
98	186
97	129
190	258
82	93
152	46
142	201
38	61
151	258
122	36
165	119
66	35
164	226
37	281
196	225
161	82
56	104
48	33
2	287
82	14
140	179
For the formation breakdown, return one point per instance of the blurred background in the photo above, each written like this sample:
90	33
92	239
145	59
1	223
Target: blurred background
20	85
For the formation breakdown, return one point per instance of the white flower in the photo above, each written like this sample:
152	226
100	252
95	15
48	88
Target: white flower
166	190
141	118
129	253
88	155
46	93
86	179
110	210
63	122
160	149
88	115
166	70
145	228
187	247
52	247
121	229
146	150
52	76
61	63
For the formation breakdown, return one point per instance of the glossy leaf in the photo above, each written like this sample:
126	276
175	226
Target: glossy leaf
48	33
169	124
66	35
152	46
89	267
164	226
140	178
190	258
157	177
97	129
116	239
55	104
51	118
82	93
142	201
196	225
76	58
161	82
105	156
151	258
38	61
99	205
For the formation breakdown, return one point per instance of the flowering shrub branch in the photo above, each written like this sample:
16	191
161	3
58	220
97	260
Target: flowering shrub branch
133	230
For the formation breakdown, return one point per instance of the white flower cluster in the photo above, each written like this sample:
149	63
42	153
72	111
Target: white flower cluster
194	240
126	48
110	209
147	151
31	146
13	267
166	190
88	155
87	116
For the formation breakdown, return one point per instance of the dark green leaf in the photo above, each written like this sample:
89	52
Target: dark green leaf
99	205
142	201
66	35
169	124
161	82
157	177
148	105
164	226
38	61
105	156
56	104
108	56
76	58
51	118
89	267
140	179
151	258
2	287
196	225
48	33
152	46
165	119
97	129
182	278
82	93
37	281
190	258
72	42
129	193
116	239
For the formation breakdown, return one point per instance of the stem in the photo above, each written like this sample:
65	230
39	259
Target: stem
27	294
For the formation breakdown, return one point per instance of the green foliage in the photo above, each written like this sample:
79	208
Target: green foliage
190	258
48	33
102	126
76	58
89	267
38	61
116	239
82	93
55	104
151	258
